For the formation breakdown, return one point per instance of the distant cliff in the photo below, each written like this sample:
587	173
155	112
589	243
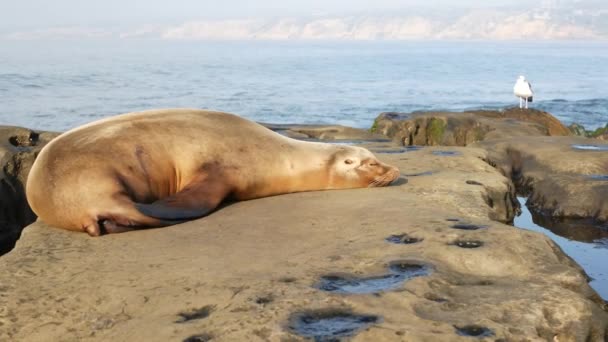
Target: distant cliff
543	22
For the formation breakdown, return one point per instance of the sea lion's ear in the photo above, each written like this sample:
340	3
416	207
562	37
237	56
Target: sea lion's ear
197	199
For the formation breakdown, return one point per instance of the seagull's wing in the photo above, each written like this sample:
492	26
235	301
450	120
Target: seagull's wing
530	85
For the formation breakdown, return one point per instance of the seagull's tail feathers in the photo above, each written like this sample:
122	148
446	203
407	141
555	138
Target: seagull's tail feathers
530	98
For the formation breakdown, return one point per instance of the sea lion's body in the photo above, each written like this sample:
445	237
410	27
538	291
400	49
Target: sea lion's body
162	167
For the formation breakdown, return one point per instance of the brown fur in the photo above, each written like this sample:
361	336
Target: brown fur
162	167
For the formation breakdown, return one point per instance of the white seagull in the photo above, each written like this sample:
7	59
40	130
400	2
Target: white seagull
523	90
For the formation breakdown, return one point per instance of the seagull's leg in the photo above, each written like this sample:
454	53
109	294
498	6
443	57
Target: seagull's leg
521	104
526	103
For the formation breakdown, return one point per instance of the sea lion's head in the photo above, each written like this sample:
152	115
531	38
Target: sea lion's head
357	167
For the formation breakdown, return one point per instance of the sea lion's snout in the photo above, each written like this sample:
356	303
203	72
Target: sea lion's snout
393	174
357	167
387	175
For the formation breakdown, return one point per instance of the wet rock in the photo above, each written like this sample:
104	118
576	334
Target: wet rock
18	150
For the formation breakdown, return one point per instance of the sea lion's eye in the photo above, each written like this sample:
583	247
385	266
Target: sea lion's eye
373	164
348	161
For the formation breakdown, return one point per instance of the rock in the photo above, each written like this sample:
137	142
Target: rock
600	133
578	130
461	129
251	271
529	146
18	150
564	177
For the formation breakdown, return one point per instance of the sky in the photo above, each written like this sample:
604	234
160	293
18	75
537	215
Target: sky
199	19
34	14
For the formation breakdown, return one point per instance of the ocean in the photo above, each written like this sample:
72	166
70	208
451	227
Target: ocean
63	84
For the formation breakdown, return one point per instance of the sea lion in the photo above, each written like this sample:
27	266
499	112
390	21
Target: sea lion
162	167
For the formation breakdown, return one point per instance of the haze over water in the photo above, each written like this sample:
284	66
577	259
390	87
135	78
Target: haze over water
62	84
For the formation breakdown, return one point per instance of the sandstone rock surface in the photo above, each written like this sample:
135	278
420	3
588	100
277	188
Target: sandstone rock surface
245	272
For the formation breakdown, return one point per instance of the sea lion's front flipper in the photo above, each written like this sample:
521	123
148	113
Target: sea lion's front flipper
197	199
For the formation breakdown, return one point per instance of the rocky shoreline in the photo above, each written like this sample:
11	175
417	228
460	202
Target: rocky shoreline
562	174
427	259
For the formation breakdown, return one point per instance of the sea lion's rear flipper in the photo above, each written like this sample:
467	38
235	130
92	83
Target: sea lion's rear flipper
197	199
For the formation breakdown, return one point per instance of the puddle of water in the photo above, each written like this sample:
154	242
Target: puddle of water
353	285
399	150
468	243
401	271
578	230
599	177
409	270
195	314
472	182
344	143
590	251
425	173
446	153
474	331
468	226
591	147
326	325
354	141
199	338
403	239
